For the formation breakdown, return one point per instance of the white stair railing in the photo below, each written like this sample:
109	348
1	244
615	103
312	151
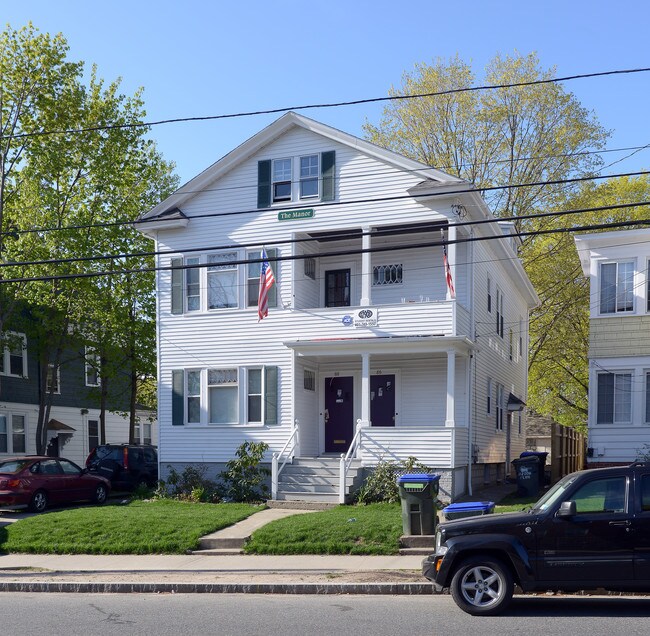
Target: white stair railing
276	467
346	461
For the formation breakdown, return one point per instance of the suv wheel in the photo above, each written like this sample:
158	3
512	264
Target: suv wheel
482	586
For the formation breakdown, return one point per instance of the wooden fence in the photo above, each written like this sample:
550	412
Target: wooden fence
568	451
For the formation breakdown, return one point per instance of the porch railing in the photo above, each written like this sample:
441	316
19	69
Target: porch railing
287	453
346	461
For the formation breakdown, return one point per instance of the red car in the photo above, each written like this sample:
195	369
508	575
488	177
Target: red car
35	482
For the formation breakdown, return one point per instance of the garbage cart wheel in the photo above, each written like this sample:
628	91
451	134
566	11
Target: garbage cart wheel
482	586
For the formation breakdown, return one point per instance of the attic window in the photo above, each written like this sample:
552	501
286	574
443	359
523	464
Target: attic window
282	180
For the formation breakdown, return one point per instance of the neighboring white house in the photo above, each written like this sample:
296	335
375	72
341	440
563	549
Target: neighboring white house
619	344
364	350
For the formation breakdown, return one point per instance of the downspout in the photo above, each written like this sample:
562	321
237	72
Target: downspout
158	340
471	384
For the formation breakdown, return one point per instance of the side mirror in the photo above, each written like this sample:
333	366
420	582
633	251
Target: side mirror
567	509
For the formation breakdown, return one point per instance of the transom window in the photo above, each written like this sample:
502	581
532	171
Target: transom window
281	180
387	275
616	287
309	172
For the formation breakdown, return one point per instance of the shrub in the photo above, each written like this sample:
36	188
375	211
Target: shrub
190	485
244	479
381	485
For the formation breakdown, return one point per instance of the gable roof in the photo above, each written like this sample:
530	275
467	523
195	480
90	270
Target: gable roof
254	144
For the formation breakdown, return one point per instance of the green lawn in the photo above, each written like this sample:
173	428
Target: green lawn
140	527
371	529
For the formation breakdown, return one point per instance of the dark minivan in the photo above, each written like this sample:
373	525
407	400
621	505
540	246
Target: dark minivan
126	466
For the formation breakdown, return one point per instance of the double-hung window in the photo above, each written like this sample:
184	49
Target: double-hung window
499	308
223	396
13	355
614	398
93	434
12	433
93	363
222	281
309	173
193	394
193	284
616	287
281	179
53	379
253	272
500	406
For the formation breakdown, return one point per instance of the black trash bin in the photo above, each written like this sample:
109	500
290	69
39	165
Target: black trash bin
527	469
418	492
541	456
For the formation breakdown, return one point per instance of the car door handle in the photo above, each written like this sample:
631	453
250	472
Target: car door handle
625	523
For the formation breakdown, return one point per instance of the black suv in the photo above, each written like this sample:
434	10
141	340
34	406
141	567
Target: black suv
589	531
126	466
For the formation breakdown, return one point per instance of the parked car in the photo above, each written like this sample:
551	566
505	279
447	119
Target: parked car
126	466
591	530
36	482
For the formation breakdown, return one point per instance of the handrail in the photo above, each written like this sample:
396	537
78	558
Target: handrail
276	469
346	461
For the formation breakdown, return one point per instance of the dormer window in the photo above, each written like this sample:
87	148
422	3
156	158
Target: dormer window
282	180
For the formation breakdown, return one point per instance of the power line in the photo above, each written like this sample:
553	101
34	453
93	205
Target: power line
326	204
336	235
355	102
350	252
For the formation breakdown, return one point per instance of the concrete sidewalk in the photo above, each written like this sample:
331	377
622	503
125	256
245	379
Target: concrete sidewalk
219	567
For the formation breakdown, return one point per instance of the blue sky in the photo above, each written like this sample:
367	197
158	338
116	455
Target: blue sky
198	58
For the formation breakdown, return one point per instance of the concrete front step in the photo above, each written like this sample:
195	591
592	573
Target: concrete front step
218	551
324	480
308	496
418	541
300	505
321	462
416	551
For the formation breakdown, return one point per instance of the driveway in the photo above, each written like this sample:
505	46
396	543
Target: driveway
9	516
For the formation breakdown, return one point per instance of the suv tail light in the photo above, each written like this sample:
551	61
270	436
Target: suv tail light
126	458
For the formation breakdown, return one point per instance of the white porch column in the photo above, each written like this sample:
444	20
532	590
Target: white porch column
365	389
451	387
451	257
366	268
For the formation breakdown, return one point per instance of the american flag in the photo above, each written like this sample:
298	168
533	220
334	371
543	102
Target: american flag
267	281
450	282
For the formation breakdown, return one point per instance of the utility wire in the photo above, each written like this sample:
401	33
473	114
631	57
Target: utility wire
355	102
351	234
325	204
350	252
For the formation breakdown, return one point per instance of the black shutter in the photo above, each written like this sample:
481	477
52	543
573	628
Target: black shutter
264	183
178	399
328	170
177	286
270	395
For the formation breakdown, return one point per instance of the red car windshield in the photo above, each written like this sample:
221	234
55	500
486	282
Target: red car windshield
12	466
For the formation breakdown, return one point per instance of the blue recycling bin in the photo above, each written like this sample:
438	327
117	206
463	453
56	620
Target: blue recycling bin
468	509
418	492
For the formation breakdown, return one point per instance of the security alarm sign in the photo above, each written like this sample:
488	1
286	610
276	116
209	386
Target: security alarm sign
366	317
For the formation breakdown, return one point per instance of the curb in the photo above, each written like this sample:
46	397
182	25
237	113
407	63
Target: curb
220	588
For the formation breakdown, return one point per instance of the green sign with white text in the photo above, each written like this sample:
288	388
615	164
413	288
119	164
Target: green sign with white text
294	215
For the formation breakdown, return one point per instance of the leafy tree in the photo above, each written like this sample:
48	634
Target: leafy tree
102	170
524	134
511	136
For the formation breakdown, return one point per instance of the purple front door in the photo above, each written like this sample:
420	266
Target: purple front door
339	414
382	400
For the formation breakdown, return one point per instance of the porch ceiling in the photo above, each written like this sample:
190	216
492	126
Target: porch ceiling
386	345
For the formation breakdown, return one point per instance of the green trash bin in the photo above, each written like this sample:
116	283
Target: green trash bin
527	469
418	492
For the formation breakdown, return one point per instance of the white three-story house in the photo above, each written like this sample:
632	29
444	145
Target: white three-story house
366	355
